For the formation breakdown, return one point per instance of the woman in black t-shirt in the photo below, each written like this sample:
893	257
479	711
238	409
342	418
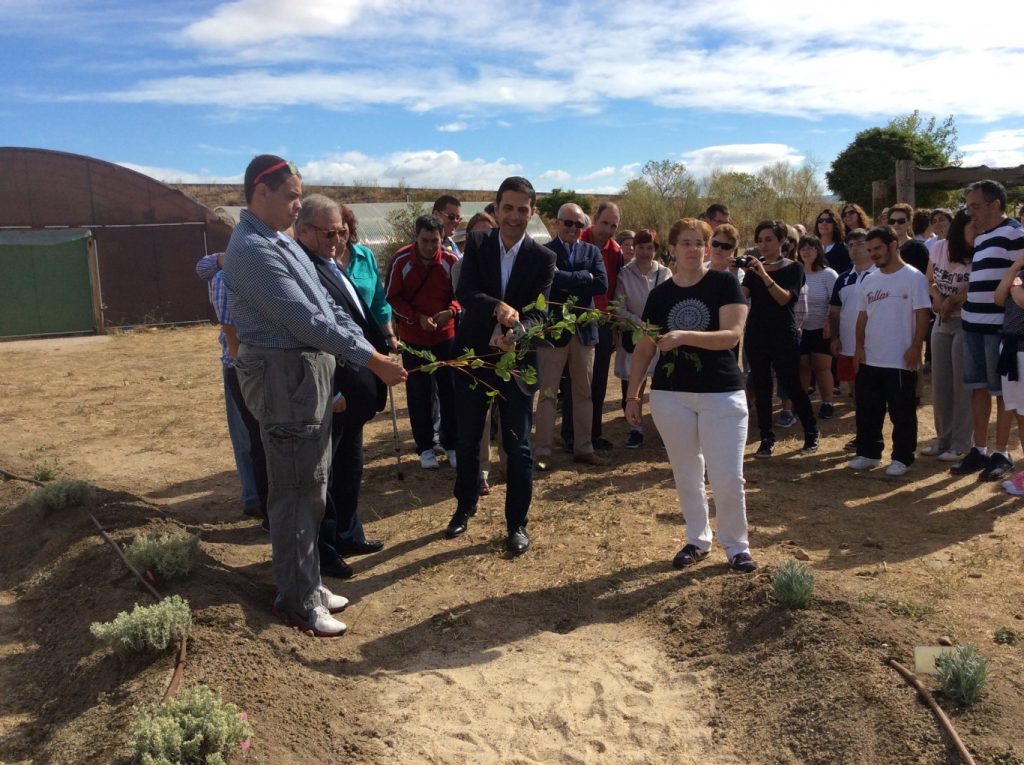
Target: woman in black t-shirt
771	338
697	398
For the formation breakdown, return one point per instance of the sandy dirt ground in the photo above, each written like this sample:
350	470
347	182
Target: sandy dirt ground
589	649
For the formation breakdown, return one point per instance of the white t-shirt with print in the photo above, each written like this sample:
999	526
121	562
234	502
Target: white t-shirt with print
890	301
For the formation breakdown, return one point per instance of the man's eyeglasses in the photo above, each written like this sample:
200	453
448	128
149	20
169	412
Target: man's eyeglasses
722	245
273	169
451	216
897	221
330	233
572	223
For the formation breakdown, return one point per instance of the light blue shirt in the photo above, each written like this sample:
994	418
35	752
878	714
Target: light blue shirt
277	301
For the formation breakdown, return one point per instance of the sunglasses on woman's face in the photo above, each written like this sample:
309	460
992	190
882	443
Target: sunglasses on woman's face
722	245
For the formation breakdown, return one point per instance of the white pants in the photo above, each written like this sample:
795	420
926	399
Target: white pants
711	427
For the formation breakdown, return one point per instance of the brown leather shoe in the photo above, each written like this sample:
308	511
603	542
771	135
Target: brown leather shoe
589	459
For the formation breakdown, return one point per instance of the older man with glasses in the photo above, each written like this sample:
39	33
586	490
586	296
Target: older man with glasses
999	242
579	276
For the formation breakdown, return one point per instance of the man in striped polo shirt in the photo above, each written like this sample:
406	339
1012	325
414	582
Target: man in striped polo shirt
999	243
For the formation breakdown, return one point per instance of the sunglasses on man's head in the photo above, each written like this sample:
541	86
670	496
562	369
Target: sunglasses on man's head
722	245
571	223
274	168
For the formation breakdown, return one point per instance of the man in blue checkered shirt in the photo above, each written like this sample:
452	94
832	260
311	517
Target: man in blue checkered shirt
290	332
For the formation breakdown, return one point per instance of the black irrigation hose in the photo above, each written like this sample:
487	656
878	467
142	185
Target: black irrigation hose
179	664
944	721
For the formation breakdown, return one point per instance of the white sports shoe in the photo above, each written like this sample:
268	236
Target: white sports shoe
333	603
319	622
451	457
428	460
951	456
932	451
896	468
863	463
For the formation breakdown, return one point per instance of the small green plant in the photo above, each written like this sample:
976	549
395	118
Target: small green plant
912	609
60	494
963	673
197	728
166	555
45	472
793	584
1005	636
152	627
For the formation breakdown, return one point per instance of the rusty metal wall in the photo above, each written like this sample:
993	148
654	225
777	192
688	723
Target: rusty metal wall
148	235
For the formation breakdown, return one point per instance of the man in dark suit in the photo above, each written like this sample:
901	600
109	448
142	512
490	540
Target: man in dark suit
359	394
579	276
502	272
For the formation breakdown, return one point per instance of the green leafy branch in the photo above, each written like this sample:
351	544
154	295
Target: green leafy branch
565	318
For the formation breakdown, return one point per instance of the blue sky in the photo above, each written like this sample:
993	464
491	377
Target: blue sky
462	94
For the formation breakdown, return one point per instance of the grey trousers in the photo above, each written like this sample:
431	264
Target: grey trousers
289	392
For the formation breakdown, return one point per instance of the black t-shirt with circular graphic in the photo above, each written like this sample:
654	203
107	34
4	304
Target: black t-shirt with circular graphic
696	308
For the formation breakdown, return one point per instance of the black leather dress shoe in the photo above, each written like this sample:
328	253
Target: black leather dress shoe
518	541
457	526
339	569
365	547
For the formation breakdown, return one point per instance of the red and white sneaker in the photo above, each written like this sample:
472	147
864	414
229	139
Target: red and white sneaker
333	603
1015	485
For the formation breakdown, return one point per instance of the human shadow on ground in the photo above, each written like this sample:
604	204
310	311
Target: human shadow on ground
473	633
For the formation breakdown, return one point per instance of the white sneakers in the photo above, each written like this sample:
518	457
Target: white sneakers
428	460
333	603
322	624
946	455
896	468
451	457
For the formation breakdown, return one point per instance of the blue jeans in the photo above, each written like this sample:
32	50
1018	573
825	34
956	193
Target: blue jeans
240	442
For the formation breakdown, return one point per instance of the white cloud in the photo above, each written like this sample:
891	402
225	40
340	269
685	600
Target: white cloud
742	157
170	175
556	178
435	169
738	57
630	170
251	22
452	127
997	148
604	172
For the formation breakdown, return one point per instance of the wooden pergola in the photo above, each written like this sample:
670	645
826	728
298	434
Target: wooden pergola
909	178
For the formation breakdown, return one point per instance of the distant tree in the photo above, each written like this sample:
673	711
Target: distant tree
670	179
402	221
942	135
779	190
664	192
795	192
872	155
550	203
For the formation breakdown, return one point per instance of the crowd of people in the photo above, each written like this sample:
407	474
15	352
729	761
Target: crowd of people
310	325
